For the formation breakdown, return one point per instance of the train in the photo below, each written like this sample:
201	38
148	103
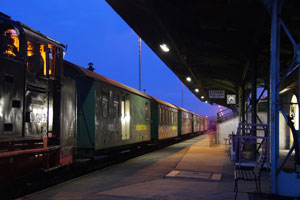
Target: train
54	113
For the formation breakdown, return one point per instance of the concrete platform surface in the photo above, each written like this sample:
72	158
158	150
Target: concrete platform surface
184	171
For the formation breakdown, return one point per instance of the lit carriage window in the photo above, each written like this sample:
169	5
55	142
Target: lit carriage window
104	104
123	106
30	56
52	59
43	60
36	58
9	41
116	105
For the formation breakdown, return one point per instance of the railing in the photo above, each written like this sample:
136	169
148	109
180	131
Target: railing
245	136
226	114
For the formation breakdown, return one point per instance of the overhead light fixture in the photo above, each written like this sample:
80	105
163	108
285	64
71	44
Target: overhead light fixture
202	97
196	90
188	79
164	47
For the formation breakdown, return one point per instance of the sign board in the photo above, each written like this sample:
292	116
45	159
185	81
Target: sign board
216	94
231	99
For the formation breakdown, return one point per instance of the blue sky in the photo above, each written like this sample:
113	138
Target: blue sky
95	33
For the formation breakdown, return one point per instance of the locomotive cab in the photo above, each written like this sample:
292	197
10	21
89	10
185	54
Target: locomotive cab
30	85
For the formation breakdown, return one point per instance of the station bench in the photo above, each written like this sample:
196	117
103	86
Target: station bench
250	175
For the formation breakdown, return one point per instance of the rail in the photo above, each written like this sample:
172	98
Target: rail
226	114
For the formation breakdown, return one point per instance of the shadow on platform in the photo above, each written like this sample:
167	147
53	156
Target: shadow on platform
263	196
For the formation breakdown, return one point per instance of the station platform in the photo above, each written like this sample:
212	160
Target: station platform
192	169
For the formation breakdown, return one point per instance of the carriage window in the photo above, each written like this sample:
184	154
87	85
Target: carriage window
167	116
164	115
110	104
147	113
160	115
116	105
9	41
104	104
36	58
43	55
52	59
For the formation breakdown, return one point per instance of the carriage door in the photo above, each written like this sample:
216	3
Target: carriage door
125	117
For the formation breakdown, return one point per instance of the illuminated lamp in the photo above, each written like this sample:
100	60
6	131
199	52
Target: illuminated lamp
188	79
196	90
202	97
164	47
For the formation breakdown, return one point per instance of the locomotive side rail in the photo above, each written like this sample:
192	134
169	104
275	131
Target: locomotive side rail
28	151
28	145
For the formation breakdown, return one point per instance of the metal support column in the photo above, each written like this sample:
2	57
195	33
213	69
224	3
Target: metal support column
253	96
243	103
282	183
274	96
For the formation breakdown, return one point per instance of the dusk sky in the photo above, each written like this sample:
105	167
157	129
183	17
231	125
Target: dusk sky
95	33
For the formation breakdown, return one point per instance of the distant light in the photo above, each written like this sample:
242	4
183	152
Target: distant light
202	97
206	101
188	79
219	106
164	47
196	90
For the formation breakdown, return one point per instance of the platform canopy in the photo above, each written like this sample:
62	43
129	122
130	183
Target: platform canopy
219	44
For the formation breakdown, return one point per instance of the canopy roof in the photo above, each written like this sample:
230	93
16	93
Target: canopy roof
215	42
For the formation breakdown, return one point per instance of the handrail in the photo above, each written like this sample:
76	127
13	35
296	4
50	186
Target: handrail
226	114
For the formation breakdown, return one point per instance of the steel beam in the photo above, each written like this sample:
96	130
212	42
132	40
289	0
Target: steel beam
254	95
274	95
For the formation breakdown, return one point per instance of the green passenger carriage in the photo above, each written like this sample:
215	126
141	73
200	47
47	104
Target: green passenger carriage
110	114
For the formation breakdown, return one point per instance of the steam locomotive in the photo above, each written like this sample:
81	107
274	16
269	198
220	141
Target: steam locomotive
54	112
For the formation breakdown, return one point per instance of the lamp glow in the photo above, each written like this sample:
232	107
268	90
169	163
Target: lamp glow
196	90
164	47
202	97
188	79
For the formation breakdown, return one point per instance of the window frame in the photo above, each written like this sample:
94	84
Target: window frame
20	33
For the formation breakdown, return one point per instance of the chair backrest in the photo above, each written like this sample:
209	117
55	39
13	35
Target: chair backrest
259	164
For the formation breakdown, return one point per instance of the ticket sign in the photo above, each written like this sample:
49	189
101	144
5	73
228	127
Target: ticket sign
231	99
216	94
